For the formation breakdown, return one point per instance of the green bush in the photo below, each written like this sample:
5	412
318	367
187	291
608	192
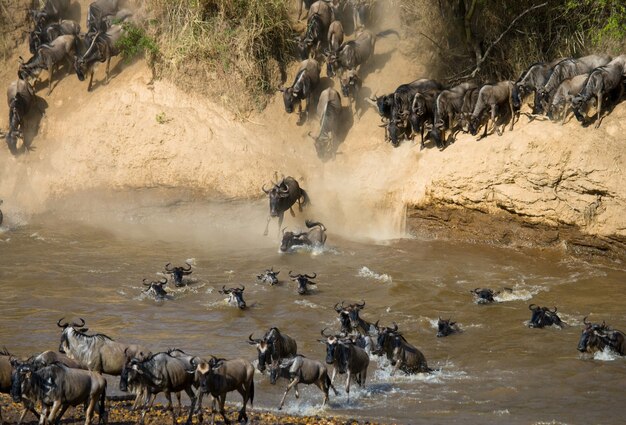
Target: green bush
135	41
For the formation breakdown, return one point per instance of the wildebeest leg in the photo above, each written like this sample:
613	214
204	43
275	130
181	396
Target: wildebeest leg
599	113
222	400
512	112
565	111
91	71
494	111
193	399
50	71
56	406
281	216
321	384
290	386
293	214
348	384
108	53
89	410
169	406
180	404
267	225
332	378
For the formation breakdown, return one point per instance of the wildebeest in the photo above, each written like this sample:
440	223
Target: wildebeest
351	321
446	327
315	237
423	111
59	387
354	53
562	99
345	356
493	97
399	352
484	295
531	80
165	373
98	11
600	82
52	10
448	108
335	35
20	98
50	357
383	105
597	337
351	84
568	68
303	280
307	5
37	37
156	288
235	296
178	273
543	316
48	57
329	112
219	377
6	370
97	352
283	196
307	79
300	370
318	23
272	347
269	276
102	48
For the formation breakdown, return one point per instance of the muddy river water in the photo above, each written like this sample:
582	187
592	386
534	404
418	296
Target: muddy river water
86	261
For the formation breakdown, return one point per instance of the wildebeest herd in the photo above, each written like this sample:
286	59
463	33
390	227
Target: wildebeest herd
55	40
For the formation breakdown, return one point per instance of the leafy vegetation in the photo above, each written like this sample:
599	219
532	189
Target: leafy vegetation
135	41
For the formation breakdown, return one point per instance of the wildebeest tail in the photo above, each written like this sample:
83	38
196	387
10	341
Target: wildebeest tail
387	32
251	394
310	223
305	196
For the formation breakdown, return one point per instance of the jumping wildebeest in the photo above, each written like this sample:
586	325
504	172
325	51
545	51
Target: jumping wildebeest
59	387
335	36
51	11
354	53
446	327
102	48
307	79
48	57
20	98
97	352
269	276
400	353
596	337
156	288
303	280
543	316
98	10
300	370
178	273
448	107
273	346
494	97
315	237
484	295
531	80
601	82
568	68
282	197
562	99
219	377
345	356
351	84
329	111
235	296
162	372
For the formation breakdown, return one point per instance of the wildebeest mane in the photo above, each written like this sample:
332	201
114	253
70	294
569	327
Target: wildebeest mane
528	69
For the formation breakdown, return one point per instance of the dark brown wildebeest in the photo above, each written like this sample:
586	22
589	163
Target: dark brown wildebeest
178	273
492	97
400	353
218	377
351	321
6	370
335	36
351	84
318	24
597	337
562	99
531	80
354	53
345	356
53	30
272	347
329	112
282	198
98	11
315	237
102	48
155	288
448	108
20	98
303	280
51	11
269	276
307	79
423	111
235	296
543	316
446	327
300	370
48	57
484	295
307	5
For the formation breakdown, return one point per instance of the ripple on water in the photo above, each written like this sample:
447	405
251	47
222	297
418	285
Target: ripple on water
365	272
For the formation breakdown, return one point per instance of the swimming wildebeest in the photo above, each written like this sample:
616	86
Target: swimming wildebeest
562	99
300	370
273	346
282	198
178	273
484	295
219	377
446	327
596	337
329	112
315	237
98	11
156	288
543	316
495	97
269	276
306	80
351	321
354	53
165	373
97	352
345	356
58	387
600	82
303	280
102	48
48	57
235	296
399	352
20	98
531	80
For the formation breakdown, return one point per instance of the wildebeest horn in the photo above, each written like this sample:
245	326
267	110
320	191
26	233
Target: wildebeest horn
382	125
311	277
338	310
267	192
554	311
323	334
395	326
163	281
243	288
224	290
169	269
530	307
79	325
65	325
360	305
585	321
292	276
189	265
376	324
253	341
144	282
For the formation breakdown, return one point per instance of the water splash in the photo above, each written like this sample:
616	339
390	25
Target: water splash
365	272
306	303
606	355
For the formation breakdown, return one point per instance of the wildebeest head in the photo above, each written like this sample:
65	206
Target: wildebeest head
16	110
474	125
235	296
591	338
276	368
269	276
291	99
353	312
64	346
22	372
484	295
445	327
344	318
303	280
543	316
278	194
332	63
266	348
397	130
156	288
383	105
331	342
178	272
518	93
384	338
206	372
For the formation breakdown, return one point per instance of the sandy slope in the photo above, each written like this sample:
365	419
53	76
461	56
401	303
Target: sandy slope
111	138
